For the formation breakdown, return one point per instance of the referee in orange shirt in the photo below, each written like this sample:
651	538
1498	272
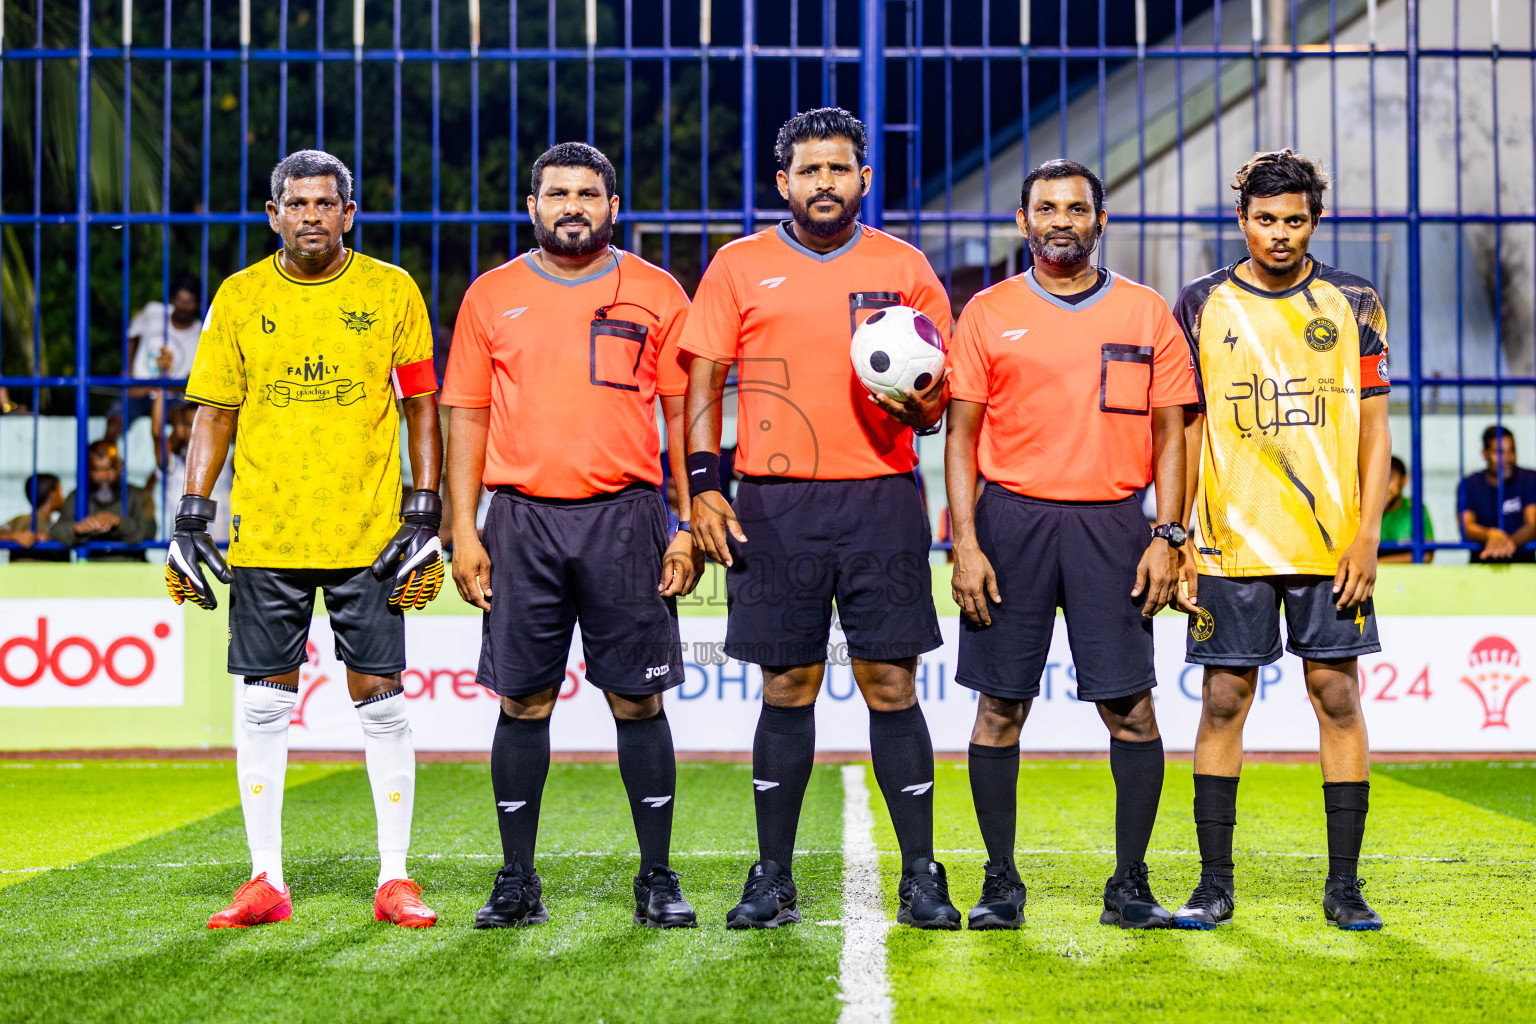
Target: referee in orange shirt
558	357
1066	398
828	507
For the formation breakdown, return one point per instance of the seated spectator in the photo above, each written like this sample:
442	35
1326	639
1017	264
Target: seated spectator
1505	530
105	519
7	407
171	457
162	341
46	496
1397	518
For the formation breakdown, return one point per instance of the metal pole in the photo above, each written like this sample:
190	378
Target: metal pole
1415	292
82	266
872	105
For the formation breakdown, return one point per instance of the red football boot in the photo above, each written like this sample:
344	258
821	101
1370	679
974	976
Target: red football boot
257	902
399	901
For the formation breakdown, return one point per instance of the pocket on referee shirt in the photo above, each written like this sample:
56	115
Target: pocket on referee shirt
1125	379
616	350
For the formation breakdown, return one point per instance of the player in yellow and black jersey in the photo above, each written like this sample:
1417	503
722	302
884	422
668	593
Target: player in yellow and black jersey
302	358
1293	454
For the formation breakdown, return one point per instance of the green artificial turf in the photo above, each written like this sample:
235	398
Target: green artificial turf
53	814
119	939
142	854
1451	879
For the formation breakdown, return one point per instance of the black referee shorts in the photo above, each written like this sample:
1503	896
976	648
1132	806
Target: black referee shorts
1080	557
596	561
863	543
270	609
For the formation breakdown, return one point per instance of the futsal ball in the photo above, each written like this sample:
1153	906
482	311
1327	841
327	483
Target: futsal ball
897	350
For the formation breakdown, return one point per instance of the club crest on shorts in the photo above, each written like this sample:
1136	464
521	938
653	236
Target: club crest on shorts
1322	334
1202	624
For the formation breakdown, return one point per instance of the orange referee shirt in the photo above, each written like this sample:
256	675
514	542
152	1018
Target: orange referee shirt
572	394
785	315
1069	389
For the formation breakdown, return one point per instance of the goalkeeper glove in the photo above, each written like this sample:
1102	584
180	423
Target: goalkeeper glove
191	547
415	555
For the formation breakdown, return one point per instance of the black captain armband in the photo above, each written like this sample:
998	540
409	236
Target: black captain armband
703	472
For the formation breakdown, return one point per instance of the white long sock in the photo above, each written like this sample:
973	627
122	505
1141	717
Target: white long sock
261	764
392	774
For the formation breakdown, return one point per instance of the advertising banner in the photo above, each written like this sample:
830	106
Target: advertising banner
1442	683
83	652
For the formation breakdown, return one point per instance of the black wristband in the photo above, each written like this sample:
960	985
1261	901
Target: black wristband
703	472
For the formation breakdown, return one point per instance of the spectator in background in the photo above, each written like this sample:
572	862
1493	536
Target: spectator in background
7	407
46	497
172	461
1502	530
162	341
1397	518
105	519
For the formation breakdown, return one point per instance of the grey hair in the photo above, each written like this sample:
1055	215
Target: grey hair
311	163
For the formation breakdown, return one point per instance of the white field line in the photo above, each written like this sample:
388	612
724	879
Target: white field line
866	991
563	854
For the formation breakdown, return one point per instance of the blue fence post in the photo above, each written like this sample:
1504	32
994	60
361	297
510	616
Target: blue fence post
82	268
1415	292
872	105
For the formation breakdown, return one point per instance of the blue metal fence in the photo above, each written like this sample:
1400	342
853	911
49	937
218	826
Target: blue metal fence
179	109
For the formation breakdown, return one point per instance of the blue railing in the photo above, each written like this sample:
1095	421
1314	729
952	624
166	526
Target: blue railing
440	107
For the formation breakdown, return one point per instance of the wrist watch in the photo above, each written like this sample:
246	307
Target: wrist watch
1173	533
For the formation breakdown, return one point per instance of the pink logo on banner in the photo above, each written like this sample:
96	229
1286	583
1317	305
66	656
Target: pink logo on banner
1494	675
310	680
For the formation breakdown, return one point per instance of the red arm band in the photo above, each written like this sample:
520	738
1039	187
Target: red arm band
414	379
1373	371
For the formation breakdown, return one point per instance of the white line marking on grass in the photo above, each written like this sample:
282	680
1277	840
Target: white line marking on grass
866	992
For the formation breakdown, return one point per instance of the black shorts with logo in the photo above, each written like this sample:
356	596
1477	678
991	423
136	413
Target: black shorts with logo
270	609
596	561
1080	557
1238	625
863	543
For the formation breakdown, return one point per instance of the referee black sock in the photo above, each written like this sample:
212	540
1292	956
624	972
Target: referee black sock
994	775
519	766
902	753
783	753
648	767
1346	804
1138	772
1215	817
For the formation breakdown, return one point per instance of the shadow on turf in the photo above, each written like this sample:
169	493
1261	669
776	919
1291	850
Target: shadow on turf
115	939
1483	784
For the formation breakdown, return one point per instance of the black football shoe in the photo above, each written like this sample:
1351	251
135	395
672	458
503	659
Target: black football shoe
1002	899
659	901
516	900
1129	903
1345	908
768	900
1208	906
924	893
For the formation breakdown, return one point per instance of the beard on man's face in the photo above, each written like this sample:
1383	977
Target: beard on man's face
594	241
1046	249
818	228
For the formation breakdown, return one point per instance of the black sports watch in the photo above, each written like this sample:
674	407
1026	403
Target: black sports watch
1173	533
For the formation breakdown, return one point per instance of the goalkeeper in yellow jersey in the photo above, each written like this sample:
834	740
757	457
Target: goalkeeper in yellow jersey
301	360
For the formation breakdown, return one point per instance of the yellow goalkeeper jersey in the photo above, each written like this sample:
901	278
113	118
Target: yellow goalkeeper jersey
1281	377
310	365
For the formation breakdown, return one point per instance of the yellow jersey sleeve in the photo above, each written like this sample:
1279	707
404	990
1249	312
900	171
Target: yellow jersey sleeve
218	370
413	329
